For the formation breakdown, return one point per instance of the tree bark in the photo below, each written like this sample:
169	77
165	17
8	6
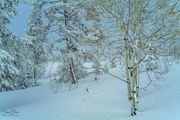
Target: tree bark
72	72
35	75
69	48
127	67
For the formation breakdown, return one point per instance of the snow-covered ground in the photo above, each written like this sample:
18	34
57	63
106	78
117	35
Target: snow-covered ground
105	99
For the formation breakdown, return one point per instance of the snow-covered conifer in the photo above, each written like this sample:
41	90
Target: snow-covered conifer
8	70
37	33
65	19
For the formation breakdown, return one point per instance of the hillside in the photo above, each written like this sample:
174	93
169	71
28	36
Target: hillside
104	99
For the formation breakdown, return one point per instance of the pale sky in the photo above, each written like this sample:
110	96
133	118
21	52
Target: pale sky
18	23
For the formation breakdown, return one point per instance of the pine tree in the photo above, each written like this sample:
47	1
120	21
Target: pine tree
37	32
65	19
8	70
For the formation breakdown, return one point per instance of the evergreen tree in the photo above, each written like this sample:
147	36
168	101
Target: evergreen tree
8	70
65	20
37	32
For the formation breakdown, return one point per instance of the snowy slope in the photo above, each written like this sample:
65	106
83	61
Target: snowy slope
106	100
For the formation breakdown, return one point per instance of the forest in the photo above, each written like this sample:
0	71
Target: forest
74	44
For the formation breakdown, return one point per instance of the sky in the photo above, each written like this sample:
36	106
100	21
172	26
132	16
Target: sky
18	23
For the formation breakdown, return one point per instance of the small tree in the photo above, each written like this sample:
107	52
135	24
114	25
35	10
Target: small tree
96	46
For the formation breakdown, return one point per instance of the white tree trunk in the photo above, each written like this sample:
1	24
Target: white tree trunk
134	91
127	68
